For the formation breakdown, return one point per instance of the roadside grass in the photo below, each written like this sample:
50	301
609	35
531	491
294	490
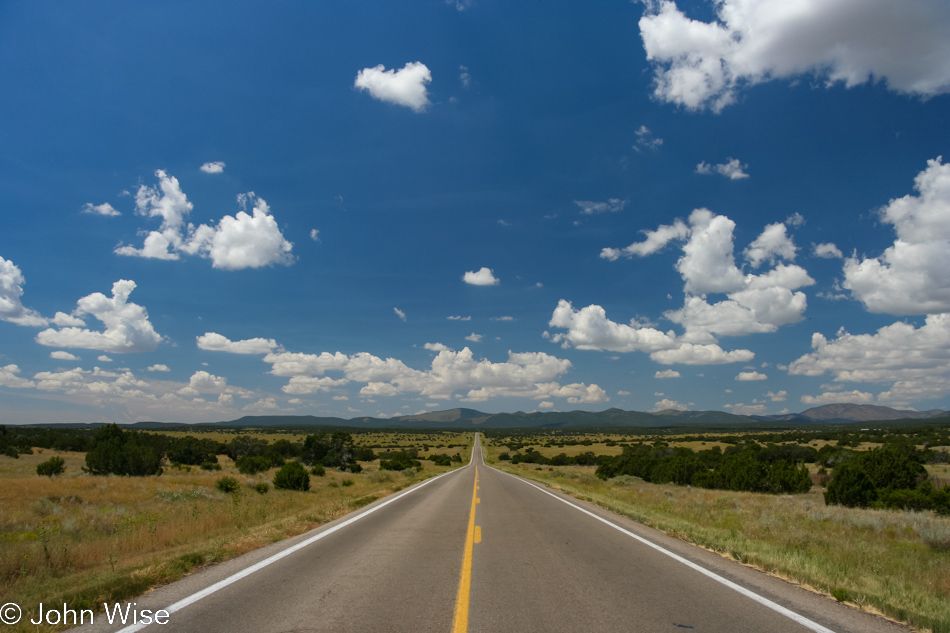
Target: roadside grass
84	539
889	562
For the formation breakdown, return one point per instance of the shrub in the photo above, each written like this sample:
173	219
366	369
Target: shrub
210	466
442	460
262	487
318	470
292	476
850	486
399	461
347	482
52	467
504	457
252	465
226	484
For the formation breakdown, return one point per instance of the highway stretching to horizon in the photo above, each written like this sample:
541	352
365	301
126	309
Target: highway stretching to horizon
477	549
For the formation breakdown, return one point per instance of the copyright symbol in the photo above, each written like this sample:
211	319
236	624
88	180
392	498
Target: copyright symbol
10	613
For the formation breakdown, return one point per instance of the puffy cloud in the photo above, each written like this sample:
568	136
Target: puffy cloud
700	64
474	338
311	384
437	347
399	313
655	241
646	140
590	207
545	404
911	275
745	376
530	375
461	318
708	354
11	289
237	242
100	209
204	382
60	355
214	342
242	240
754	304
62	319
667	373
168	202
746	409
772	243
483	277
590	329
795	219
839	397
215	167
827	250
104	359
731	169
158	367
666	404
263	405
315	235
405	87
9	378
777	397
914	361
127	328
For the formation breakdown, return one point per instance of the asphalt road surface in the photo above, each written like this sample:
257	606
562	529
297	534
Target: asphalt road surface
480	550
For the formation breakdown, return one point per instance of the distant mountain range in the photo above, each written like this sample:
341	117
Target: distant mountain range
461	419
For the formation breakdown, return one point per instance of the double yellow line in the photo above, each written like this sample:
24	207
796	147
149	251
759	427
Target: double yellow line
472	536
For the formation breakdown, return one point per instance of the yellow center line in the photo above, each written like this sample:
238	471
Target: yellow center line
460	623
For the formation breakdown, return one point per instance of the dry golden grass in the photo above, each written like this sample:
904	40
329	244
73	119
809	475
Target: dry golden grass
85	540
897	563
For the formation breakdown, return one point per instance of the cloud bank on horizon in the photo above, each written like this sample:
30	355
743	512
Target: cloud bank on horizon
816	276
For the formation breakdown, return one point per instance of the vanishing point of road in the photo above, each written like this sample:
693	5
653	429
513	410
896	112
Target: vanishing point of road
480	550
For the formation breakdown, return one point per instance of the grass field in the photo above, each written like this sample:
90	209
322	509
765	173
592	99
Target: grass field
890	562
85	540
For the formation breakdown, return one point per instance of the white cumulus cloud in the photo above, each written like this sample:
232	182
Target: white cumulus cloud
910	277
914	362
405	87
731	169
827	250
158	367
61	355
214	167
9	378
745	376
706	64
240	241
11	289
839	397
667	373
100	209
127	328
482	277
214	342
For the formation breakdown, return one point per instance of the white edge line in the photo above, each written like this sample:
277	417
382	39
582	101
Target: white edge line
221	584
814	626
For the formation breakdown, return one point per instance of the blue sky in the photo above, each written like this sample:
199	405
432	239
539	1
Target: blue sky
374	208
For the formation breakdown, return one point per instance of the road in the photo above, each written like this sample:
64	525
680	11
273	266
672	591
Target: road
480	550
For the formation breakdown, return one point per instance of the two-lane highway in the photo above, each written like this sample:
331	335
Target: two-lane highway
480	550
